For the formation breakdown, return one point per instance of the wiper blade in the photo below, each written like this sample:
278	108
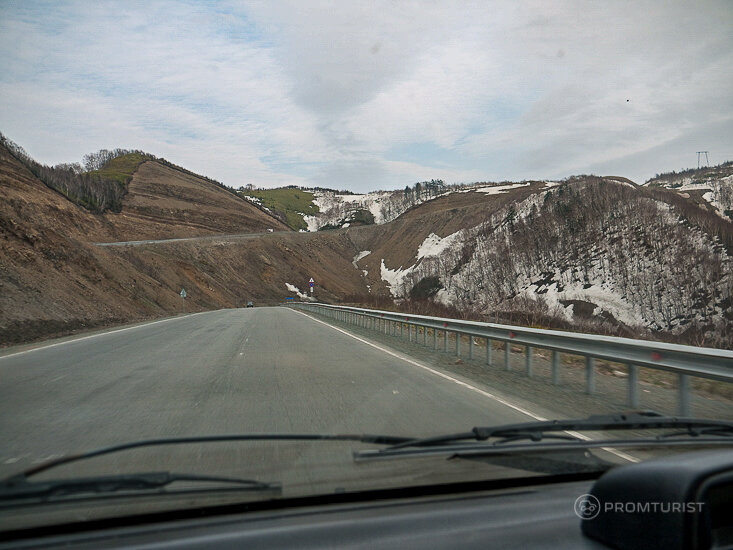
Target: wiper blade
467	450
362	438
18	487
503	436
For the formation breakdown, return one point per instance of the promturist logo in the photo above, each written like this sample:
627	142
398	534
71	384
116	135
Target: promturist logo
587	506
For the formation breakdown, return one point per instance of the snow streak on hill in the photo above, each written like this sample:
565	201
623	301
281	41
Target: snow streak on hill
713	185
591	244
344	210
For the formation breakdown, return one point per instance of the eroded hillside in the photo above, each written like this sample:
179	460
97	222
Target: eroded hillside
54	279
584	249
595	253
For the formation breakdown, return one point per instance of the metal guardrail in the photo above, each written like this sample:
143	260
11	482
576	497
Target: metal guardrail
685	361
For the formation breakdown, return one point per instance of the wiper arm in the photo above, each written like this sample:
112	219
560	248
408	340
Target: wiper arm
497	437
362	438
18	487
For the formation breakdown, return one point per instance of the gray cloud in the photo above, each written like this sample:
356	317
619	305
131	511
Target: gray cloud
273	93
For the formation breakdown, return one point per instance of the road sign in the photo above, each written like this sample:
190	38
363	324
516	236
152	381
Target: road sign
183	293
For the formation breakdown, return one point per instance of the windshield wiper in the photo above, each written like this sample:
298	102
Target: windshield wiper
535	435
18	487
362	438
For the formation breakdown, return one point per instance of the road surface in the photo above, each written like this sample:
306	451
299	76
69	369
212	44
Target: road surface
205	238
222	372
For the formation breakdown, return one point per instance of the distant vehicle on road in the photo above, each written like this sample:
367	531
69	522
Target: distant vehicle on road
250	304
270	230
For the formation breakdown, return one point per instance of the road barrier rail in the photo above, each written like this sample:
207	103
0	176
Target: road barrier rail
685	361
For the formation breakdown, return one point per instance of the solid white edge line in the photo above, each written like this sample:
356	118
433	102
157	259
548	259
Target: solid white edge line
517	408
114	331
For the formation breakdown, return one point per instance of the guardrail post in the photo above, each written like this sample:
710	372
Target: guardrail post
633	385
684	384
590	375
686	361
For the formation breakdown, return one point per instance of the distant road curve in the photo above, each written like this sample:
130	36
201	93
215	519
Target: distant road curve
238	236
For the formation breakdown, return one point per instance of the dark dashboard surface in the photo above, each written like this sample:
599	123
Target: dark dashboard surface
527	517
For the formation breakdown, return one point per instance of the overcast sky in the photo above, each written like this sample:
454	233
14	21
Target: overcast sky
364	95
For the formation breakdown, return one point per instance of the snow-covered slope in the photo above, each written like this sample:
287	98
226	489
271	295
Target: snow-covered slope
713	185
600	243
342	210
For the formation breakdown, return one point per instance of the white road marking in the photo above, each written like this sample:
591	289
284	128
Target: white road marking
517	408
103	334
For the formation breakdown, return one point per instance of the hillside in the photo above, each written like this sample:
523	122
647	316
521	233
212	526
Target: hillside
585	251
323	209
597	254
54	280
165	202
711	187
289	204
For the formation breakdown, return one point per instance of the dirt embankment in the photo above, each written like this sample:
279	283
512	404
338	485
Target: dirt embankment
54	280
164	203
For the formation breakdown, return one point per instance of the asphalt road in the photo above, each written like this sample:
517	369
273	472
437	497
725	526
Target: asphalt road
229	371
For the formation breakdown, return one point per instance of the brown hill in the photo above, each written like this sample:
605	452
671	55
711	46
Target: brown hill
164	202
397	242
54	280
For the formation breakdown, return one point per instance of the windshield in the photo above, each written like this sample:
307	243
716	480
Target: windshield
230	232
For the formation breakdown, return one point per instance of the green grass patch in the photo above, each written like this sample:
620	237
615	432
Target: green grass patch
290	202
120	169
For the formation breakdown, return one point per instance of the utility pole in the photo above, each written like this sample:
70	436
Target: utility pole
707	162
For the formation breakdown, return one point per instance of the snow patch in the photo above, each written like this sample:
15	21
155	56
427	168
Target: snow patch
394	278
293	288
359	256
434	245
496	189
